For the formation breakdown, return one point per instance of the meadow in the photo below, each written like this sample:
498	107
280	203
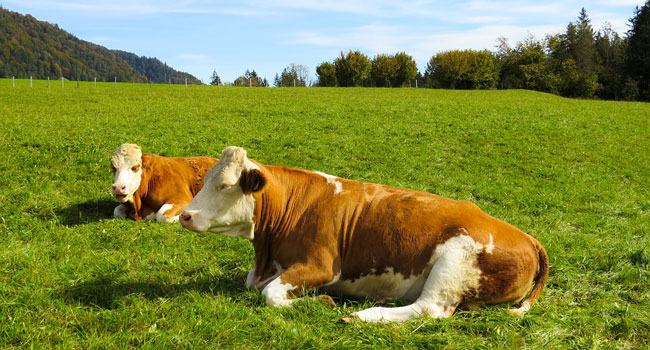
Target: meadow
573	173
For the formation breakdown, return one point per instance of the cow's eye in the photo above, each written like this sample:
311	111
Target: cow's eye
224	187
135	168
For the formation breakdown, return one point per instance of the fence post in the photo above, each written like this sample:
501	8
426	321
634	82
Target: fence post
62	83
416	83
30	82
294	83
48	82
13	81
115	83
170	82
77	82
186	83
95	81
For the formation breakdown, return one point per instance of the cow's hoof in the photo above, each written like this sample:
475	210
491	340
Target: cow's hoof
328	299
349	319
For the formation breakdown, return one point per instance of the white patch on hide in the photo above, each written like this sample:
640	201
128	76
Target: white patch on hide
331	179
386	285
453	274
489	248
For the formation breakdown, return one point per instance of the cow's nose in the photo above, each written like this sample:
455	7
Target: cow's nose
185	217
118	189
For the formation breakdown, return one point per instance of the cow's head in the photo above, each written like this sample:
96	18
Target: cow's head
225	204
127	166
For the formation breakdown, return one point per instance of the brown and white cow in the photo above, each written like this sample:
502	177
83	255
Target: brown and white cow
153	187
312	230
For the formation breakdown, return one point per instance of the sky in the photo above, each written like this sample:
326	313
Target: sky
201	36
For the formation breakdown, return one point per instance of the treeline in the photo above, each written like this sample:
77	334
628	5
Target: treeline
29	47
579	62
356	69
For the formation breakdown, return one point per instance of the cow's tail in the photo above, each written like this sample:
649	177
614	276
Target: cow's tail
540	280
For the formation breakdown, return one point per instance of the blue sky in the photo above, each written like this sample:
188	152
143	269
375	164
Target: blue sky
198	36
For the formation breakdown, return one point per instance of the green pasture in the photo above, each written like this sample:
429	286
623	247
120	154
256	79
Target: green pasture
573	173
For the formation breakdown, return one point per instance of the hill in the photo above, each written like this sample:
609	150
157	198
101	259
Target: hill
156	70
29	47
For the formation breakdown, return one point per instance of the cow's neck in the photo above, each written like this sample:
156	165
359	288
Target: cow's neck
145	178
278	207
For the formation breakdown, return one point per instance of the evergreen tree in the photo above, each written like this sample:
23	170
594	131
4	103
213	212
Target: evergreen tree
583	45
293	75
610	48
250	78
638	50
214	79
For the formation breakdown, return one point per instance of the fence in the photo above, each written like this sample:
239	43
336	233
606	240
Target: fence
94	81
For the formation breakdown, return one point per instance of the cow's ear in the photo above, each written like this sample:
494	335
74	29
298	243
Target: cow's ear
251	181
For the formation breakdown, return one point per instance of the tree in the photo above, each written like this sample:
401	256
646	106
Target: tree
326	74
610	48
393	70
214	79
462	69
524	66
250	78
293	75
406	70
352	69
572	59
638	50
383	70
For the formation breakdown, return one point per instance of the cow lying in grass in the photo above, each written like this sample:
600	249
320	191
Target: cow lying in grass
152	187
312	230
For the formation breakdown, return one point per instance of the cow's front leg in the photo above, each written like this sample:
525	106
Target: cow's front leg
121	211
283	290
169	212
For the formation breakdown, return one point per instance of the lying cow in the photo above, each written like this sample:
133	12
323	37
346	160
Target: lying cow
152	187
312	230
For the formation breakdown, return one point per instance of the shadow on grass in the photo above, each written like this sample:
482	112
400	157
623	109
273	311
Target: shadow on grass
106	293
86	212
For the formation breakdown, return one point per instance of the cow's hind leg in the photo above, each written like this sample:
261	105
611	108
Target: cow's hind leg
454	273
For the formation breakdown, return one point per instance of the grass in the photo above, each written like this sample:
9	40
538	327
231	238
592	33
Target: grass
573	173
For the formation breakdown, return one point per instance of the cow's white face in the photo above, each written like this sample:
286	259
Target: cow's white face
225	204
127	166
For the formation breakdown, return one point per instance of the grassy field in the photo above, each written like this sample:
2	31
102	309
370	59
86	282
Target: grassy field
575	174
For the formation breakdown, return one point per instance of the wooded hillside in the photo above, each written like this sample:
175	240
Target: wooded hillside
29	47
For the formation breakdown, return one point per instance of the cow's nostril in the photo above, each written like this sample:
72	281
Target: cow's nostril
186	217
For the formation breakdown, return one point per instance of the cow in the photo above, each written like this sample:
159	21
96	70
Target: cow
313	230
153	187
